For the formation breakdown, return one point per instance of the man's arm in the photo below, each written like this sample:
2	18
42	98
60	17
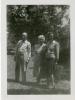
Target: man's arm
29	51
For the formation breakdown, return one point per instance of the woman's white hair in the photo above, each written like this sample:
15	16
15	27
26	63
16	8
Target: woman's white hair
41	37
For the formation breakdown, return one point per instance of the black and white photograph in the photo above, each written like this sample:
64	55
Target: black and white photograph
38	50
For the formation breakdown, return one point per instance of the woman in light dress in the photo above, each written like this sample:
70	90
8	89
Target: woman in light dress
39	57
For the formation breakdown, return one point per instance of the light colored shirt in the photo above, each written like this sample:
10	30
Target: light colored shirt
24	48
53	49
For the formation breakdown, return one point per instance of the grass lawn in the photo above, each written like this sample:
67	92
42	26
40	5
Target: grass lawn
31	87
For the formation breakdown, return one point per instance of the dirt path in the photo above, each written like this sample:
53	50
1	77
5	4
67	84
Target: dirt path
31	87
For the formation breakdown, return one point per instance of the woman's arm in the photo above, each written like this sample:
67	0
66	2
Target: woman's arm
57	51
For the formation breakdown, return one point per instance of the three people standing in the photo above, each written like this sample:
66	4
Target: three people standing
47	55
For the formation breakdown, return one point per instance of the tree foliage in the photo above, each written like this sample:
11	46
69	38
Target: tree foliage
39	19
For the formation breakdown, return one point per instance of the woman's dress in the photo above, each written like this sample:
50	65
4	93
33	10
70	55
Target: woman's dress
39	59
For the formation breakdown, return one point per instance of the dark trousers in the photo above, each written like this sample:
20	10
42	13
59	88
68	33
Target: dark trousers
20	65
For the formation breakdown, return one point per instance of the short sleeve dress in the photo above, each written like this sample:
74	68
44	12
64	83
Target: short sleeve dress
38	58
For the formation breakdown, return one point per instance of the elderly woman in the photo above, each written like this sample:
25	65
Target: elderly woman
52	57
39	57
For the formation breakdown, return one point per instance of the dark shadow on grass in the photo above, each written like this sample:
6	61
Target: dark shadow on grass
33	91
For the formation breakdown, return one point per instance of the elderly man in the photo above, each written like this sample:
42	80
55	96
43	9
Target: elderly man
23	54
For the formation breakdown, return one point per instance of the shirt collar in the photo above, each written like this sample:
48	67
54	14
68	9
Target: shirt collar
25	41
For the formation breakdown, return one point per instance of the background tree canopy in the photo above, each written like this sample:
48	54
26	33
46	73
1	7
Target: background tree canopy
39	19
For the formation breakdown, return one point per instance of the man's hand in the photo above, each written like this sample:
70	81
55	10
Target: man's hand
27	63
27	60
56	61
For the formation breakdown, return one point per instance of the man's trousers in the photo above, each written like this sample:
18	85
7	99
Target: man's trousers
20	66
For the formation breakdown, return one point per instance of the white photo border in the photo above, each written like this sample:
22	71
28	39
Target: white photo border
4	48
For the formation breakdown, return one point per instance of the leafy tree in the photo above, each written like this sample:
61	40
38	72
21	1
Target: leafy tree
39	19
